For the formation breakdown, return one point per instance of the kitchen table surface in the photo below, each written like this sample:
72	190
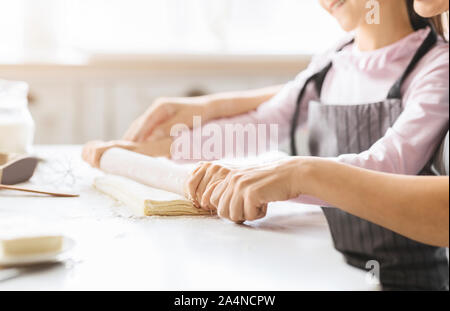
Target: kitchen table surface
290	249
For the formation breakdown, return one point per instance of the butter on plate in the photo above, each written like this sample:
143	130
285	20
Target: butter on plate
34	245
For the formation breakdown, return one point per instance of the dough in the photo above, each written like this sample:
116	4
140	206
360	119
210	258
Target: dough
144	200
30	245
155	186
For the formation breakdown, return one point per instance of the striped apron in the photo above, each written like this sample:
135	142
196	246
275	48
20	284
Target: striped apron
340	129
440	165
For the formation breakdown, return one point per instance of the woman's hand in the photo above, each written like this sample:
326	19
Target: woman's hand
93	151
159	118
243	194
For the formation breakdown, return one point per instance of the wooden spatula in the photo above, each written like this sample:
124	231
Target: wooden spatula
54	194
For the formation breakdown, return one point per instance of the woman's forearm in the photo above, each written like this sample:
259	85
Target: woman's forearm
416	207
222	105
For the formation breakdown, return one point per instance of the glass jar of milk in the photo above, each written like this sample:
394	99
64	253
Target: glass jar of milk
16	123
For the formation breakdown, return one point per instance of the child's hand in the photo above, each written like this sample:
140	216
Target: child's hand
243	194
93	150
158	120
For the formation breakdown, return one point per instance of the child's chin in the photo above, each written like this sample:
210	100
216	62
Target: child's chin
425	9
347	25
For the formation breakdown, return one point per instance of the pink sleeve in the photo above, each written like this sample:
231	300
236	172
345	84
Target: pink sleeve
263	128
409	144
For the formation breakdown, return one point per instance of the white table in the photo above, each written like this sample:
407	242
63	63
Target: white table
291	249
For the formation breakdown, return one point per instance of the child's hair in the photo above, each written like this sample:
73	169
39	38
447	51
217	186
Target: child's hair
419	22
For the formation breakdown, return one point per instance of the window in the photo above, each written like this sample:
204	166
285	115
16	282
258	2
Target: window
40	29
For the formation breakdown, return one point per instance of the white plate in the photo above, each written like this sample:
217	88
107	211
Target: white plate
26	260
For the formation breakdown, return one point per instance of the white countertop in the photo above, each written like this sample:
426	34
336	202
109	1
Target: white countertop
290	249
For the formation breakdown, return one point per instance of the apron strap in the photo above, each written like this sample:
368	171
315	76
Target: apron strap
294	121
427	45
318	79
394	92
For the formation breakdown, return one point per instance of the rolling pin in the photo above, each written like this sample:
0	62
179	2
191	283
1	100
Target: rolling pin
160	173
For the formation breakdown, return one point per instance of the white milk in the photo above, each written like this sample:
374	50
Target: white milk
16	124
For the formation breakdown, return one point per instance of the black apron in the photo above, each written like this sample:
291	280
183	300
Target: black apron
342	129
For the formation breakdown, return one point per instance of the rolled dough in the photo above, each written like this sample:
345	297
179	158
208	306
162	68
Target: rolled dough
144	200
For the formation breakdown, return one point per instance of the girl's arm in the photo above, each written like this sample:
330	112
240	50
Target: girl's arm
229	104
264	128
271	120
165	112
416	207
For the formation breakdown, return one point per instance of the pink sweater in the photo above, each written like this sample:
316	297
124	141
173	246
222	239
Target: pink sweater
366	77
